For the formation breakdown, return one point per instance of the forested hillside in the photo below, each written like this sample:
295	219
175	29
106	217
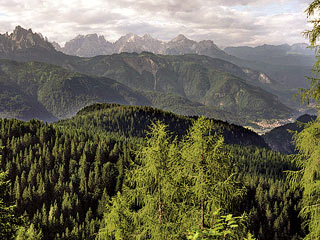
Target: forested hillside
282	138
63	175
134	121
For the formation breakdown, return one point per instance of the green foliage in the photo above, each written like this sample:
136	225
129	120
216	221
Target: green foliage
225	227
147	208
169	190
312	93
209	172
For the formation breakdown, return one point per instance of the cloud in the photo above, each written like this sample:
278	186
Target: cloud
232	22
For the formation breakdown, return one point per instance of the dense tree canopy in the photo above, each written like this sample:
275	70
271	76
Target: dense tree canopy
64	179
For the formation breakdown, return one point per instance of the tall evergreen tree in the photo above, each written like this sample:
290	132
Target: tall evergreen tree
308	141
148	191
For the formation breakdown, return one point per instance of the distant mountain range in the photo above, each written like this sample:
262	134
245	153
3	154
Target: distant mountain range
93	45
189	84
285	64
296	54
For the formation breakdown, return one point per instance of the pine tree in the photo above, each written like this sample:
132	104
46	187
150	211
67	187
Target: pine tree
29	233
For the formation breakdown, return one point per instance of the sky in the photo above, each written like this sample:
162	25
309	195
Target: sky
226	22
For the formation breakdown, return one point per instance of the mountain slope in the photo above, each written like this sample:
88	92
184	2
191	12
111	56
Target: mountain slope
15	103
59	92
198	78
287	64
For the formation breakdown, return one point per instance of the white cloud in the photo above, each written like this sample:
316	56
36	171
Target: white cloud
232	22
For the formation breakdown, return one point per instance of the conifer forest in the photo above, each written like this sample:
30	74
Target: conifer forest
160	144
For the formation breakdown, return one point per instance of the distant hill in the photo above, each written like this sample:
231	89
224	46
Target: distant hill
281	138
133	121
296	55
286	64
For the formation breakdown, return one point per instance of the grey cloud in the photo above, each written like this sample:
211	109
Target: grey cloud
218	20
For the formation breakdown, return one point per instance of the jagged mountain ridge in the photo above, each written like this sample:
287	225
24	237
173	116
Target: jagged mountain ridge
134	43
87	45
21	39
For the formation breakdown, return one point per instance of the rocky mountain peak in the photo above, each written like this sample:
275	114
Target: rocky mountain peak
21	38
180	38
87	46
20	33
148	37
129	37
302	48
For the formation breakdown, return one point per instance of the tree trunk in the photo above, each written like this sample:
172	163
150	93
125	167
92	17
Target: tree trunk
202	215
159	205
202	201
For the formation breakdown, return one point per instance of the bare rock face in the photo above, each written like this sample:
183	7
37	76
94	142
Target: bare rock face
134	43
57	46
21	39
180	45
88	46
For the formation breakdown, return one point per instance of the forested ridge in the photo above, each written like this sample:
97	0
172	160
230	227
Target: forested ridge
134	121
63	175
